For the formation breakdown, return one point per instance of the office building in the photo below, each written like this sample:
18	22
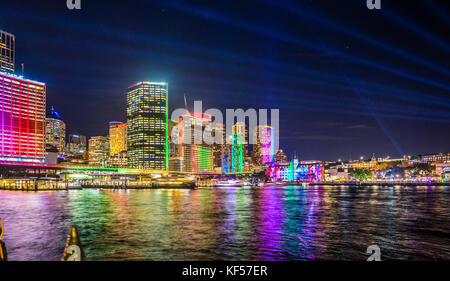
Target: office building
117	137
22	120
7	52
98	151
196	154
76	144
280	157
262	152
147	126
55	131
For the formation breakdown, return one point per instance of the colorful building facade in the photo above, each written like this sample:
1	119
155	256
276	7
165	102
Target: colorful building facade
295	171
22	121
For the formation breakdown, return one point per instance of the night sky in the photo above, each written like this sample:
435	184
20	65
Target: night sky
348	81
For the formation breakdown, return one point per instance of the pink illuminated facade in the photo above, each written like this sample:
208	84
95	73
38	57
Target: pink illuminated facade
263	151
22	120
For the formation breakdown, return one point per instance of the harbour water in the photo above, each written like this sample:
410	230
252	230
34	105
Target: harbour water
264	223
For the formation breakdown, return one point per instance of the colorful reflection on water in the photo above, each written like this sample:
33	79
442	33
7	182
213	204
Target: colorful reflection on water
270	223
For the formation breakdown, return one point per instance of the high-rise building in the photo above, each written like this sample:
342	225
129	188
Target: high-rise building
280	156
117	137
237	165
175	159
76	144
55	131
197	156
262	152
147	126
22	120
98	151
7	52
240	129
218	147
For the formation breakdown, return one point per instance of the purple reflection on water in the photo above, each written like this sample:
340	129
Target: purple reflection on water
271	225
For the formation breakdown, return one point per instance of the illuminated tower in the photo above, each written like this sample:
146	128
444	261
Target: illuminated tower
263	149
76	145
241	130
7	52
197	155
55	131
218	147
147	126
117	137
22	120
98	151
237	154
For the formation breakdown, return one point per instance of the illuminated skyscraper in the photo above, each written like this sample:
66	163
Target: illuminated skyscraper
98	151
237	154
76	144
197	155
147	125
218	147
263	149
240	129
117	137
7	52
22	120
55	131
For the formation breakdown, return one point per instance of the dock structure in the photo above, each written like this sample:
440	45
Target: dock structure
3	253
30	177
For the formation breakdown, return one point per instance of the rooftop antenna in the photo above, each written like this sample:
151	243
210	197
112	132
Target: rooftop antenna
23	69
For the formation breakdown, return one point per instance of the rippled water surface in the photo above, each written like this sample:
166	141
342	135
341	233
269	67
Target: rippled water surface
271	223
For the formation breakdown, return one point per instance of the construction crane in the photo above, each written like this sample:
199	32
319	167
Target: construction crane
185	103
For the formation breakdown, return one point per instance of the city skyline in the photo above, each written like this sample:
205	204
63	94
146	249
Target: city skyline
410	121
194	132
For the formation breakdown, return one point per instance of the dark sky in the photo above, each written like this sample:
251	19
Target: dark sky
348	81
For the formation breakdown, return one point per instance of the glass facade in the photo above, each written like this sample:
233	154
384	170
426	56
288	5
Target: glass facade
98	151
7	51
22	120
55	131
147	126
117	137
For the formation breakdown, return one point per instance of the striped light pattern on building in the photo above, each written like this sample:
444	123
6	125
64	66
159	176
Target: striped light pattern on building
147	126
22	121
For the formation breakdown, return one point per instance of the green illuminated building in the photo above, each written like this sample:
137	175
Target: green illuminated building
237	154
147	126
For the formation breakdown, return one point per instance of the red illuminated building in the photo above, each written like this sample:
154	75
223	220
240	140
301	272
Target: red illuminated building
22	120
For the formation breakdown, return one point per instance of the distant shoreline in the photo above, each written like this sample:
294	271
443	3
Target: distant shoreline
373	183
